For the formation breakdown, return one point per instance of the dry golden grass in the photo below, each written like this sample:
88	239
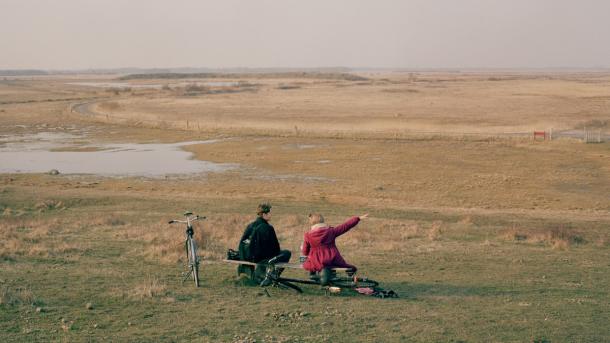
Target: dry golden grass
381	234
150	288
12	296
216	234
38	237
49	205
436	230
109	106
603	241
455	192
165	243
466	102
466	220
437	173
557	237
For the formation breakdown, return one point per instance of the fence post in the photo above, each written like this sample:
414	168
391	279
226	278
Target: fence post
585	135
551	134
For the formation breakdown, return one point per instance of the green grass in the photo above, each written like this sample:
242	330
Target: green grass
469	283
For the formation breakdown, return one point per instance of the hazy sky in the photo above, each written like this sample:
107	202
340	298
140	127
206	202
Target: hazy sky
75	34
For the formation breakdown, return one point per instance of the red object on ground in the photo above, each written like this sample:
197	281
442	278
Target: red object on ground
320	249
540	134
365	290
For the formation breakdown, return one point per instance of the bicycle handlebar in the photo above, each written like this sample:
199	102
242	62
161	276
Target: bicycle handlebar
173	221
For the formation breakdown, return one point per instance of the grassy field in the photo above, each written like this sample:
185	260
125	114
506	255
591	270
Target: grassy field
486	239
382	105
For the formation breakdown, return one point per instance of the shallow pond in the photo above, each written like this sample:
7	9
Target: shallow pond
39	153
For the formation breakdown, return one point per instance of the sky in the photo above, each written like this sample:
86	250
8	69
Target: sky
83	34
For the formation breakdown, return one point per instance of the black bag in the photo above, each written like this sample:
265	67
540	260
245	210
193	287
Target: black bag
245	247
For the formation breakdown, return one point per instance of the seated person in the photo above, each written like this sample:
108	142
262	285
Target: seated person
259	243
319	244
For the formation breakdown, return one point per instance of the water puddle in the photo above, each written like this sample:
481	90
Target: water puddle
44	151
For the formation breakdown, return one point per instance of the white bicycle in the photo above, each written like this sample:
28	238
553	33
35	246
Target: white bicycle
191	247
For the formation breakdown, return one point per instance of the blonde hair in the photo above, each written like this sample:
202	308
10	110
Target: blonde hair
316	218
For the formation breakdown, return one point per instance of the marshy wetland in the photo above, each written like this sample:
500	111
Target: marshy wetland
486	234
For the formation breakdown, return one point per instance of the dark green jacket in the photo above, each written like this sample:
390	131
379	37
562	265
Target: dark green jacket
263	243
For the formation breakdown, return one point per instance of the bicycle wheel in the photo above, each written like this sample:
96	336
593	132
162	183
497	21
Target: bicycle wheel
193	260
348	282
196	274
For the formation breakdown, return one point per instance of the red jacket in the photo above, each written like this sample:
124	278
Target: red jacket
320	249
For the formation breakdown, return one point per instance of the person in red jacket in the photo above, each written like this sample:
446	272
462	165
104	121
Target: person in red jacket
319	244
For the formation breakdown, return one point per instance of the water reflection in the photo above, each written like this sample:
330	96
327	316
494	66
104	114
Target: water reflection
42	152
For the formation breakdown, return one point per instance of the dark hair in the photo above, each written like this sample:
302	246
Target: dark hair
263	208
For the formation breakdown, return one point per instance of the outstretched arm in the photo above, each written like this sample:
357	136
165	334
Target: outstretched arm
350	223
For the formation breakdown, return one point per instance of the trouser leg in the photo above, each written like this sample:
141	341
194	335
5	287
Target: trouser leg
272	272
325	276
245	269
284	256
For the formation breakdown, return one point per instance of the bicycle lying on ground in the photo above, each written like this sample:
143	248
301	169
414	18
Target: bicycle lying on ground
191	247
335	277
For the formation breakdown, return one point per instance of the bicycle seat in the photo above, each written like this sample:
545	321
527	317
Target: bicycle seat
188	213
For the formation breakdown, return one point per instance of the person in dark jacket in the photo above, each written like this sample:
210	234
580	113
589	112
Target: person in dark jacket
259	243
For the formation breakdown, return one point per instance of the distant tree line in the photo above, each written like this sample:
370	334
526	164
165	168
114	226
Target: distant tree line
23	72
279	75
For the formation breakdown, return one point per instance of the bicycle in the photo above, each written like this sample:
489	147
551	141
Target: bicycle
325	279
343	281
191	247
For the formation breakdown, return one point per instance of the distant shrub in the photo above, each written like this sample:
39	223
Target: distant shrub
245	84
114	221
49	205
194	87
285	87
118	90
313	74
400	90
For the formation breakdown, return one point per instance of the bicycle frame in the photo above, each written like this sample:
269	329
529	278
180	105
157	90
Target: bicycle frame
350	281
190	247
